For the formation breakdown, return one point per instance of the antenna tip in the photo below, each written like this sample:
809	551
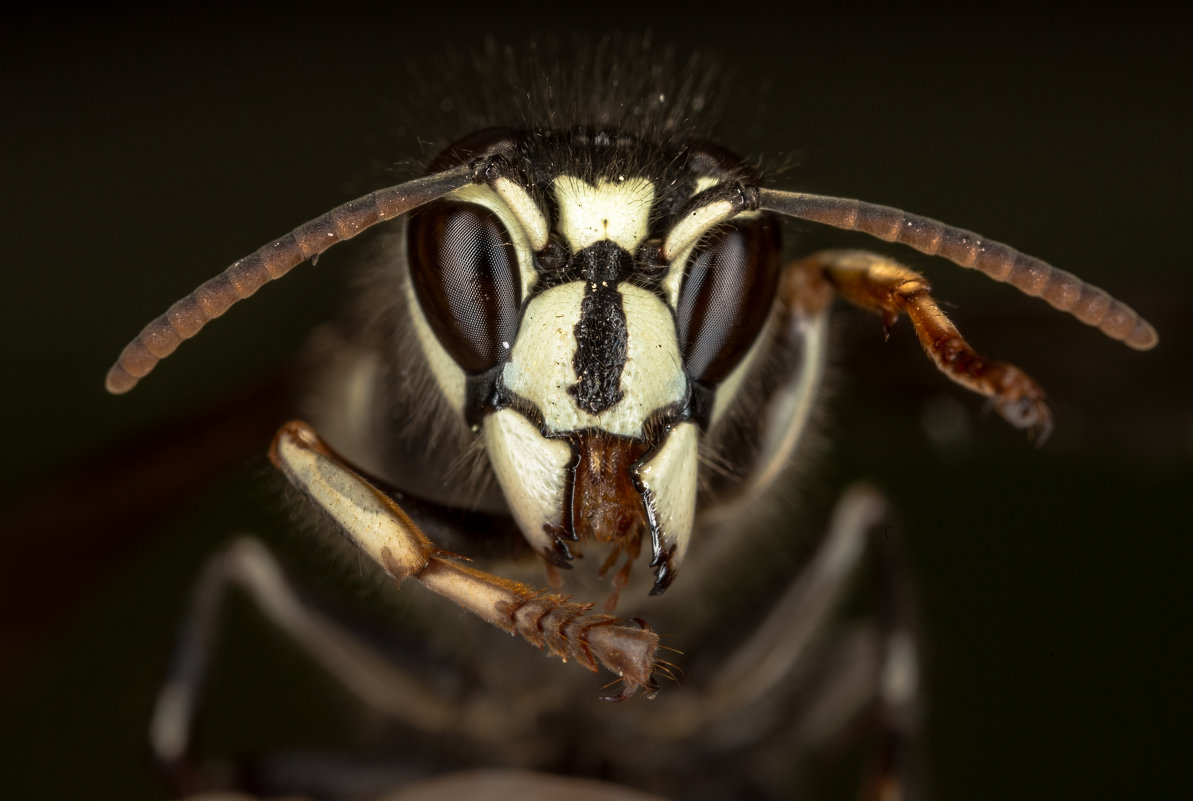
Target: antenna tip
1142	337
119	380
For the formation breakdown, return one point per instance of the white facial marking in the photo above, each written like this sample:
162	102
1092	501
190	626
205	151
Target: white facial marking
614	210
448	375
673	280
688	230
531	470
790	411
525	209
540	368
670	482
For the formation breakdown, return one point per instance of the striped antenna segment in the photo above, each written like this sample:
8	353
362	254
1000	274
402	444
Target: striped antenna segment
1065	291
188	316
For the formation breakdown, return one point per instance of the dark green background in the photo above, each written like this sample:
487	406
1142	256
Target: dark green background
144	151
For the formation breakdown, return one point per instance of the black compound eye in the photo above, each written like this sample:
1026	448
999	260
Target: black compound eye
728	288
464	271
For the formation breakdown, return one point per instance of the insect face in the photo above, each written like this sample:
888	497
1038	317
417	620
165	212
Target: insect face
598	326
591	306
589	364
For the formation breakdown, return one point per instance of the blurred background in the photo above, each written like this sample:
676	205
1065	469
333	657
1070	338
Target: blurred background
145	150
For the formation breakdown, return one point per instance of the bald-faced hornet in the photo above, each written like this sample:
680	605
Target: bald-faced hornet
591	345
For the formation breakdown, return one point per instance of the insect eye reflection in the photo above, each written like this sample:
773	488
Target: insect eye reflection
462	270
730	284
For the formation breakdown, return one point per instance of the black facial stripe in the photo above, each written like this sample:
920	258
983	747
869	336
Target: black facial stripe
602	339
601	346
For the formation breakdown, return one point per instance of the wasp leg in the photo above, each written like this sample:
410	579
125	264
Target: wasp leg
247	564
788	631
876	283
802	678
379	527
380	683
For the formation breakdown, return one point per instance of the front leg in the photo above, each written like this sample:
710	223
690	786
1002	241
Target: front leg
379	527
876	283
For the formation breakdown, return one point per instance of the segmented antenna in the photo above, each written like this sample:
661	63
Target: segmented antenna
214	297
1065	291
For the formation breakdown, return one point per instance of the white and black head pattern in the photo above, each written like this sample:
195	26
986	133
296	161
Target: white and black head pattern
556	326
587	296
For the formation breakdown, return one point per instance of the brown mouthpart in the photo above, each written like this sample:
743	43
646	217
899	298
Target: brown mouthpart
606	506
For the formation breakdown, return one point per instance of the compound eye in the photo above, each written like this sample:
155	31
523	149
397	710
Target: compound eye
463	268
728	288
